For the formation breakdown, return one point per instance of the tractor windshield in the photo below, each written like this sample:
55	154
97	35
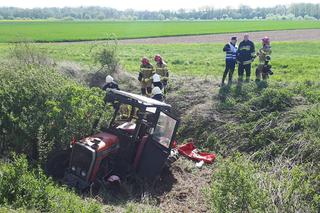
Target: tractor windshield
164	130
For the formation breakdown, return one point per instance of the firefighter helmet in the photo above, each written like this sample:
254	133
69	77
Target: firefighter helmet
266	41
156	78
145	60
158	58
156	91
109	79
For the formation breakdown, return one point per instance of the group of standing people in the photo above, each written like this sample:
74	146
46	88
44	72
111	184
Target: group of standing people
244	55
154	79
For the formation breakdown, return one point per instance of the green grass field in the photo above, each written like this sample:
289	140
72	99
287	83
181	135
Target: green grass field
42	31
292	61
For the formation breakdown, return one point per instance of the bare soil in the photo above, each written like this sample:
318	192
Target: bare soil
281	35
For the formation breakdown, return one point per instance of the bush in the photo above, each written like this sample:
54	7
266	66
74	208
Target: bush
240	185
39	107
106	55
28	54
235	187
27	188
290	187
272	100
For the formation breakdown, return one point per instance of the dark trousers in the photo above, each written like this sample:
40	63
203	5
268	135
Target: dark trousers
230	66
241	69
158	84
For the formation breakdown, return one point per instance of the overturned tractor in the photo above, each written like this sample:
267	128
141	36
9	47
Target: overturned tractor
136	141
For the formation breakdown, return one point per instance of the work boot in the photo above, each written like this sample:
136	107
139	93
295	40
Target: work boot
247	79
240	79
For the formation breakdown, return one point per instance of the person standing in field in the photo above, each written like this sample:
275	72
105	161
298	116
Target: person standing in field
231	59
162	70
264	58
145	76
245	56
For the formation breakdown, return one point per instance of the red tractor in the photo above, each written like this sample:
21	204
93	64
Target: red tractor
136	141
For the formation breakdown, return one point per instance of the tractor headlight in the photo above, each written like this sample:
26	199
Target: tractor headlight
83	173
73	168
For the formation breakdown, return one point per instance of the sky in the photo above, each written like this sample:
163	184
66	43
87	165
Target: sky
151	5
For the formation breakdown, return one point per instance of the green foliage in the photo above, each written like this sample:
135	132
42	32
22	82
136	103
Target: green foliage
240	185
41	108
235	187
289	65
24	187
106	55
25	53
272	99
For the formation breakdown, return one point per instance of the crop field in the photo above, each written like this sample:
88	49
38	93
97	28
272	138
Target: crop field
49	31
292	61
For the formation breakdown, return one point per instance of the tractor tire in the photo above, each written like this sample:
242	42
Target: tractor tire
57	164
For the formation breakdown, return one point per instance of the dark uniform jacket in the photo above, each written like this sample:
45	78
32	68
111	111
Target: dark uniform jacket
112	85
158	97
246	52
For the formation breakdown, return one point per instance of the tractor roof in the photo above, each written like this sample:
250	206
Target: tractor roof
130	98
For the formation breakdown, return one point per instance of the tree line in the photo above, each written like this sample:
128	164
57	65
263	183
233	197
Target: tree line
280	12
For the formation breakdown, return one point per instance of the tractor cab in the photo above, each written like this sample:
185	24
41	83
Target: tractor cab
137	139
145	128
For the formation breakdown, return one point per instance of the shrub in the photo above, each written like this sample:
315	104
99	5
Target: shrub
106	55
240	185
235	187
27	188
28	54
290	187
272	100
39	107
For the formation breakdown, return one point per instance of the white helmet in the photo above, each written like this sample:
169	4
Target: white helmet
156	78
109	79
156	91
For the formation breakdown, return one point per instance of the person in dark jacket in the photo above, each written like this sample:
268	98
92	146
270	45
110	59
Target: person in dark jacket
231	59
245	56
110	84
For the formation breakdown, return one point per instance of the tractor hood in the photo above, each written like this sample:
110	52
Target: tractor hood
101	141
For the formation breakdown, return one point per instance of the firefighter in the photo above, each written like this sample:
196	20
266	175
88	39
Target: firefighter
245	56
110	84
264	69
145	76
157	94
231	56
156	81
162	70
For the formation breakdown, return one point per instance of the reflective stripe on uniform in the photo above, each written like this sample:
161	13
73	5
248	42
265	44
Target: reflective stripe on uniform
247	62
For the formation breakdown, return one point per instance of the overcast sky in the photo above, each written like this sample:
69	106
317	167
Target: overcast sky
148	4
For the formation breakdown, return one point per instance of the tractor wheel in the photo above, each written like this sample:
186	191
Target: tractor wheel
58	163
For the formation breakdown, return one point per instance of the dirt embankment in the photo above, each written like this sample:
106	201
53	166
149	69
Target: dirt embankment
181	187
